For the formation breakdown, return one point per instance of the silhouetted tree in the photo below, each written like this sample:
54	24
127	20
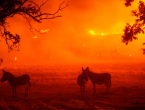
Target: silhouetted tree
131	31
29	9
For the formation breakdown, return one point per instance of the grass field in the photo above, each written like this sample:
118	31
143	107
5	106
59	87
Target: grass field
55	88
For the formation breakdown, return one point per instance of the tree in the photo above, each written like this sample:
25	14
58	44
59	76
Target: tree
131	31
29	9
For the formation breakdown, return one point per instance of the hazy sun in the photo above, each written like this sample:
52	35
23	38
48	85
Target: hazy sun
92	32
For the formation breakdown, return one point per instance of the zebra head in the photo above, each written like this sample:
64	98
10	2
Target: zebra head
85	74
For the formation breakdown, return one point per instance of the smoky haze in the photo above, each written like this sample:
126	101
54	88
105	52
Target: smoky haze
69	40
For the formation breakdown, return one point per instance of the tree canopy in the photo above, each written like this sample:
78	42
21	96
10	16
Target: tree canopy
29	9
131	31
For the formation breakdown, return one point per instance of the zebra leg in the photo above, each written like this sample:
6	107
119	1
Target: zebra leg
107	89
107	85
94	88
13	92
84	89
28	87
26	91
81	89
110	83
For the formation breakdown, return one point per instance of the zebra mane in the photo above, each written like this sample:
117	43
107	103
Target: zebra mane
8	73
91	71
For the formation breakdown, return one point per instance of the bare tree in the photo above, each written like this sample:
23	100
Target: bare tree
131	31
30	10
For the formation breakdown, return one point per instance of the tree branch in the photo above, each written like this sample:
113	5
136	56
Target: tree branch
28	9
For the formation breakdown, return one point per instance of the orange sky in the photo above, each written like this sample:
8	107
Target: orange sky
69	38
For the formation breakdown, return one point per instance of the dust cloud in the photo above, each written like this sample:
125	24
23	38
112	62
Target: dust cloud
69	40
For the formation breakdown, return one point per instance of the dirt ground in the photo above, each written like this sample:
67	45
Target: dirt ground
55	88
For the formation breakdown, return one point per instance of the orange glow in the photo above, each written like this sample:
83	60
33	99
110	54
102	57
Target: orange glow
92	32
44	31
35	37
57	51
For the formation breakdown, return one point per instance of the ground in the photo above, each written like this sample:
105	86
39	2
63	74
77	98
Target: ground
54	87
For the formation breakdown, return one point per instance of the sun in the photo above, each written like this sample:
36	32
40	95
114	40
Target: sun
92	32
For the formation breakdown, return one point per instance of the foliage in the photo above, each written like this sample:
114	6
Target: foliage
128	2
29	9
131	31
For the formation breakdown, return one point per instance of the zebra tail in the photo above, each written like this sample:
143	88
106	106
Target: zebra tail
110	83
29	84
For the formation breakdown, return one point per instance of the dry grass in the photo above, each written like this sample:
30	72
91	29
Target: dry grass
55	87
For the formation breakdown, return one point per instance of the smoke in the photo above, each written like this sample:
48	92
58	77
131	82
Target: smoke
68	38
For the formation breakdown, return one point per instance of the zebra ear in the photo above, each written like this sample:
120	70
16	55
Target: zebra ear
87	68
82	69
3	70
